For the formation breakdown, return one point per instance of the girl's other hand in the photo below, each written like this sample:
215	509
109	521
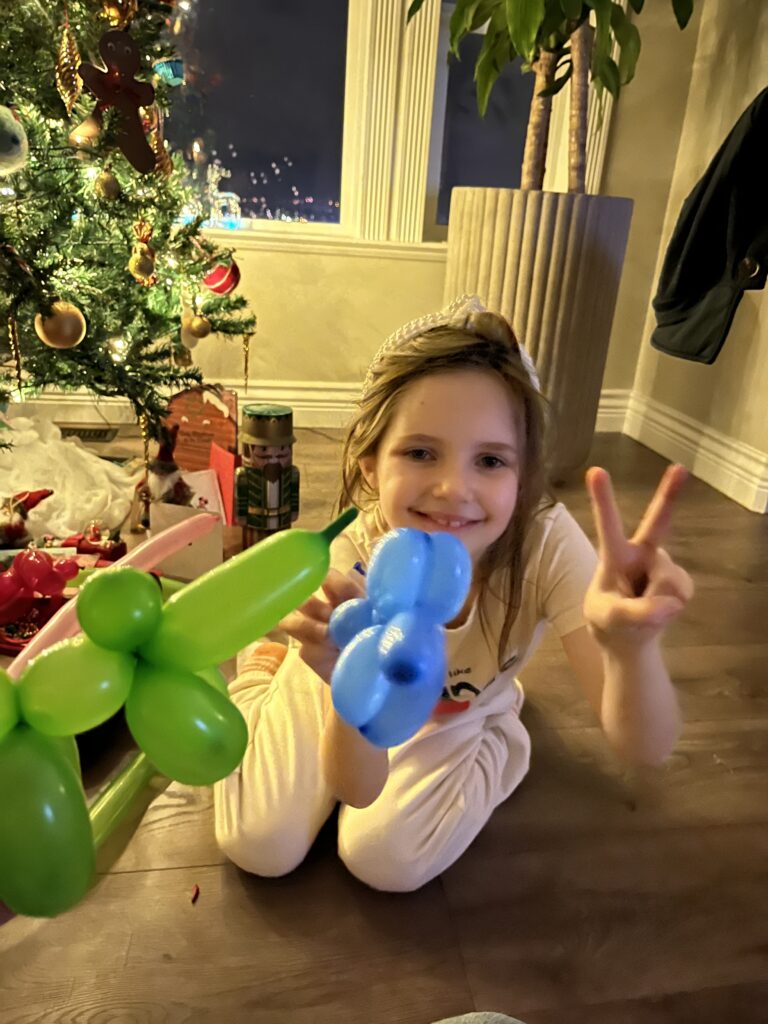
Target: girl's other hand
309	623
637	589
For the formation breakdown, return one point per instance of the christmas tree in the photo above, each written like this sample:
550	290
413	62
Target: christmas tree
106	282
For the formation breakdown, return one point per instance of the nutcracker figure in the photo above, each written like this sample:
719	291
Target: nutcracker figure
267	483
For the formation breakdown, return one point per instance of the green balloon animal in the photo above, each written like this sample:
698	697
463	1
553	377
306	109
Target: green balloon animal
157	660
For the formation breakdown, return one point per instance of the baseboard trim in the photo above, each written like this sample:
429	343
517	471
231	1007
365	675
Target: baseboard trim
737	470
612	410
314	404
732	467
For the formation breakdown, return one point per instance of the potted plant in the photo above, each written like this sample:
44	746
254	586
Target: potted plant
550	262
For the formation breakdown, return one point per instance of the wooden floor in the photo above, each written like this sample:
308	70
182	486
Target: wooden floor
595	895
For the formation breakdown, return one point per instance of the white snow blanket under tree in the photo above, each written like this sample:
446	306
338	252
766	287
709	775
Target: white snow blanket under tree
84	486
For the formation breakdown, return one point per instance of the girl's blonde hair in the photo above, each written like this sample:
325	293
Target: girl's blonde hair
484	342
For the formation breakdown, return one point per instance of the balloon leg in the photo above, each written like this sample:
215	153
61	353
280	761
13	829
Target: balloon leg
133	789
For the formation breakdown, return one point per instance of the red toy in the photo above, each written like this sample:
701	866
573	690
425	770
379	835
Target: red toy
13	517
33	572
116	87
97	540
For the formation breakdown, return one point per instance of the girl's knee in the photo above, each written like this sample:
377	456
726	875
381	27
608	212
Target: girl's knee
267	852
381	861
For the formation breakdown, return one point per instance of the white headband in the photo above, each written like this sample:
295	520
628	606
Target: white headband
455	314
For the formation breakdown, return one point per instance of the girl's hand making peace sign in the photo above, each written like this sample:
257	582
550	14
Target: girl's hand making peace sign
637	589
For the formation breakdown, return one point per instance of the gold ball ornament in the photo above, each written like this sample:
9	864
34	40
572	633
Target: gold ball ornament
64	328
199	326
107	186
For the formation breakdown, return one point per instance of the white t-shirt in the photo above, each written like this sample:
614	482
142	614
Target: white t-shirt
558	566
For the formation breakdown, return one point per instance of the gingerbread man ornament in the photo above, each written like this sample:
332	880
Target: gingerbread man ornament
117	87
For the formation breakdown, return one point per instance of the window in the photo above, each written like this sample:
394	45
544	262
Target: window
340	116
260	115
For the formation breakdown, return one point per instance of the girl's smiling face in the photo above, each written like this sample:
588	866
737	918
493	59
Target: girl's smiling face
450	458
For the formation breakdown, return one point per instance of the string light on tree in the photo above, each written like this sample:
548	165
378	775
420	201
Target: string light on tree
118	348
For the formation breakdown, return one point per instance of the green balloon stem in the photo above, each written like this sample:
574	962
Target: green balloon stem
219	613
117	802
334	529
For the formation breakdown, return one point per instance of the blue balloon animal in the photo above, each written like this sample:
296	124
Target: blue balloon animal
392	666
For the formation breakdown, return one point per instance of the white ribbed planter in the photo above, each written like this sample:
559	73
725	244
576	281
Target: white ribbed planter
550	262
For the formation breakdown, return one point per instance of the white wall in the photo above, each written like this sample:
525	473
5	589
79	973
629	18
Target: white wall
730	68
713	417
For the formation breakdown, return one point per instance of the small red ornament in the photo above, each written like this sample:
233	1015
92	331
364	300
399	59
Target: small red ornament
223	278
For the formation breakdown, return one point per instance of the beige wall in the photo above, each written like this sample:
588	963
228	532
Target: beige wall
323	308
728	72
642	149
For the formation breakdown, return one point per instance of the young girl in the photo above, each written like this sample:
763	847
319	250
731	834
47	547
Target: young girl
450	435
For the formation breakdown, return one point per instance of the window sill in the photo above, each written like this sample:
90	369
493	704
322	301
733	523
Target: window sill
321	239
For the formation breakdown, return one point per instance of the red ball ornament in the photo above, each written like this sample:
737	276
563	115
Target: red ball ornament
223	278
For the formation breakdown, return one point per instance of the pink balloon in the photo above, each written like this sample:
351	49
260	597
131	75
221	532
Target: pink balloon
144	557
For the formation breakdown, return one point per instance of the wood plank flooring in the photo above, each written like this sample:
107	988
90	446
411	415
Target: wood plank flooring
595	895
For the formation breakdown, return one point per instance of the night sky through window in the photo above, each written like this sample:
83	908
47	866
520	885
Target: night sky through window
265	92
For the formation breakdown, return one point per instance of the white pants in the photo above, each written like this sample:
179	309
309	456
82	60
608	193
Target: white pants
442	787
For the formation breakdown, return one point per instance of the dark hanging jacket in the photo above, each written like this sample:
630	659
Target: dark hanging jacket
719	247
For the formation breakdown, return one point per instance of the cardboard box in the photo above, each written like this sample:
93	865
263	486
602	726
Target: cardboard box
206	552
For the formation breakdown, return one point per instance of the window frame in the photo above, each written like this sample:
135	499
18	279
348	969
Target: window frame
392	129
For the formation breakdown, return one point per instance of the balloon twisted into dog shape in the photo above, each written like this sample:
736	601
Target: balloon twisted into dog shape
392	668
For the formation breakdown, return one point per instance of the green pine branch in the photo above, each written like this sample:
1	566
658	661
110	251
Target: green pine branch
62	240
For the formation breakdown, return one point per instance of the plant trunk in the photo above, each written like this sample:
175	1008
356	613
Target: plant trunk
537	135
581	42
